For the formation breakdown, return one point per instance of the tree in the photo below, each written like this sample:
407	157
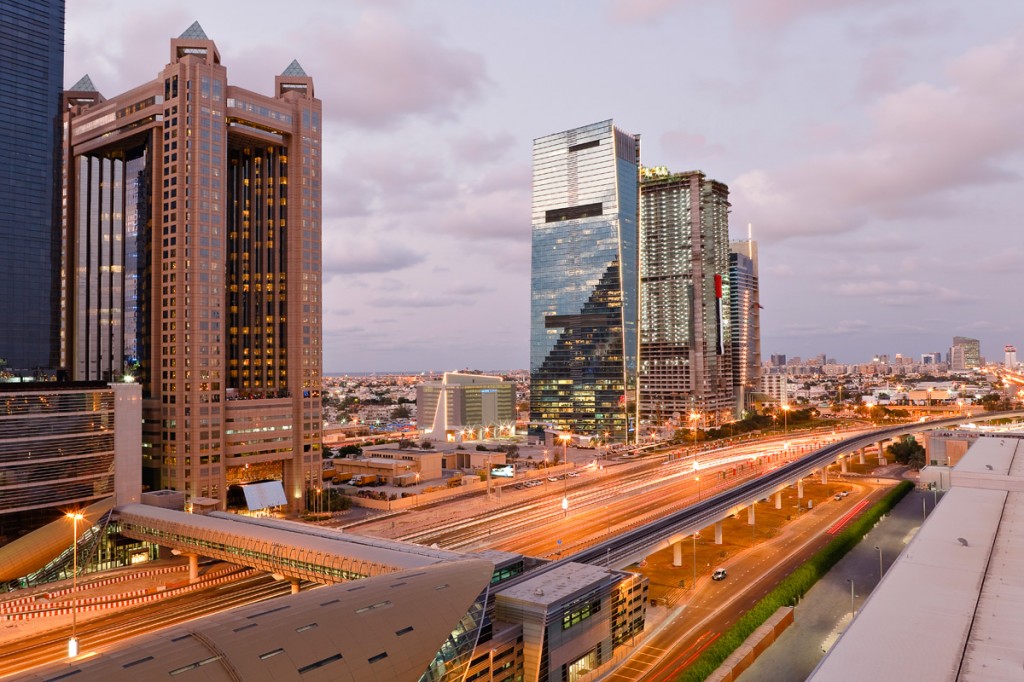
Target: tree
401	412
907	451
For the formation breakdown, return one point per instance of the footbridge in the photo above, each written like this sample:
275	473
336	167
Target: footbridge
669	531
287	549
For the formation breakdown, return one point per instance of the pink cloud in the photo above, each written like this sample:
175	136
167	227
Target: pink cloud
923	140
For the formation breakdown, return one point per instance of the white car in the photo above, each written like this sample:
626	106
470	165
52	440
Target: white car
719	574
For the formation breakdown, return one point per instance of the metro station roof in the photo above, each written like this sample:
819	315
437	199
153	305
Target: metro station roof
952	605
389	627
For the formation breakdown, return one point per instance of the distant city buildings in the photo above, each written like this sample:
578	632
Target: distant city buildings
32	63
1009	356
964	354
192	252
745	318
584	297
685	334
934	358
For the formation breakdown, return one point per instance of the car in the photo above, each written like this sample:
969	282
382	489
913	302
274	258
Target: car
553	479
572	474
719	574
845	493
838	496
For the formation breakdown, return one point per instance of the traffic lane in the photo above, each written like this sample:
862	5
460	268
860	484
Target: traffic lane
717	606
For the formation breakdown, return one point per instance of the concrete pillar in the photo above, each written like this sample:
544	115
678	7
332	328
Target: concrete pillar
750	515
800	489
778	500
193	568
842	464
824	475
882	461
718	533
295	586
677	553
860	456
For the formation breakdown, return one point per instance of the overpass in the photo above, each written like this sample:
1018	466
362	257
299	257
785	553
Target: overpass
635	545
287	549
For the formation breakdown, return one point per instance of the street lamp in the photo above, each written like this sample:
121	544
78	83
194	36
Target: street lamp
697	478
73	642
565	505
853	611
880	570
785	420
565	438
695	559
694	418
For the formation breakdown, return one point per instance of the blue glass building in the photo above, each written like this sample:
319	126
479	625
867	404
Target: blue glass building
584	281
31	84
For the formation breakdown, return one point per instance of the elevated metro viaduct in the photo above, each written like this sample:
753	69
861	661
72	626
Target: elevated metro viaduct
669	531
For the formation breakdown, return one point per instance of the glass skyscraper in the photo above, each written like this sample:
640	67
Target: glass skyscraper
685	336
584	278
745	307
31	84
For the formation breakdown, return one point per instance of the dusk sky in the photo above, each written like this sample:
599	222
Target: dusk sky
875	146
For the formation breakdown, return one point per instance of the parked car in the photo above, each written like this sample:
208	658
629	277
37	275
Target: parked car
719	574
839	496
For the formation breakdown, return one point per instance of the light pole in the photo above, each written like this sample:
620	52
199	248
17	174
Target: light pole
695	560
73	642
697	478
565	437
880	570
694	418
853	611
785	420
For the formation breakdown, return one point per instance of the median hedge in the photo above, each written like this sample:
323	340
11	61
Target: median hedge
793	587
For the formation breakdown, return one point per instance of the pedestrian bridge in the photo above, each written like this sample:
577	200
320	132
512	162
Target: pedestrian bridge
288	549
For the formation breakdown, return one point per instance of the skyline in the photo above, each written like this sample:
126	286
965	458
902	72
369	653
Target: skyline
883	156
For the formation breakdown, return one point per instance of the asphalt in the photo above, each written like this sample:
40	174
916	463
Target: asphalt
824	612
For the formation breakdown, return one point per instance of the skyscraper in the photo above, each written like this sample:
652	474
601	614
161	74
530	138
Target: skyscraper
685	335
31	81
1009	356
583	312
745	316
192	246
965	354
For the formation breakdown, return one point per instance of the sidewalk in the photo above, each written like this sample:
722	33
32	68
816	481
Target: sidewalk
825	611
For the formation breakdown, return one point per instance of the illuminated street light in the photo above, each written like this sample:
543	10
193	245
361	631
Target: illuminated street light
565	438
73	642
785	420
697	478
694	418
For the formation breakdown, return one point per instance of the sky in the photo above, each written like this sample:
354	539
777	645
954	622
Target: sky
874	146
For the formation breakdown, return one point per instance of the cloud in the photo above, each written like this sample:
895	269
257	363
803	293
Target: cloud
481	148
347	255
903	292
923	140
640	11
691	149
1008	261
419	299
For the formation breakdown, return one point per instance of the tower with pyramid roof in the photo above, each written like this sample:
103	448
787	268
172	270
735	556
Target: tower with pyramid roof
192	243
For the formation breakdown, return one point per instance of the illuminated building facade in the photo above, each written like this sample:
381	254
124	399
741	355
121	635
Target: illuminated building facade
685	332
191	226
584	297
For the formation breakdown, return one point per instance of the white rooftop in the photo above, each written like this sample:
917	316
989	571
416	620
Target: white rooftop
952	605
557	584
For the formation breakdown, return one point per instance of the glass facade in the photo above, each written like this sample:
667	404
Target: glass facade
583	333
745	313
31	83
685	335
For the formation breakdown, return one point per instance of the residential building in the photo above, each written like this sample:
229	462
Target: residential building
467	407
584	297
32	64
192	253
745	320
685	335
965	354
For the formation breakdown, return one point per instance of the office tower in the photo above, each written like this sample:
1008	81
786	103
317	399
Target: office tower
1009	357
745	318
583	310
192	224
31	81
777	360
685	335
467	407
965	354
931	358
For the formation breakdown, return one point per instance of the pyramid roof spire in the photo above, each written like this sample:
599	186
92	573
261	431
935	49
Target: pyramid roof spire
84	84
294	69
195	31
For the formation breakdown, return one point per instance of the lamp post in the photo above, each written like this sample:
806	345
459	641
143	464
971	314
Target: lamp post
565	438
695	560
853	610
697	478
694	418
785	420
73	642
880	570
